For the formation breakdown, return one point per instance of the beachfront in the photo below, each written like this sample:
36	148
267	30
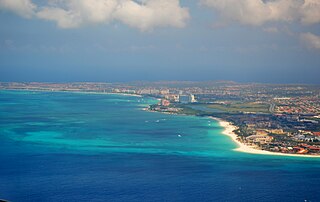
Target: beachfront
228	130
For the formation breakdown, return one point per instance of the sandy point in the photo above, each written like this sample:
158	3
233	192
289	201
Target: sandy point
229	129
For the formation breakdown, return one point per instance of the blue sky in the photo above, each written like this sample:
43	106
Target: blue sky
274	41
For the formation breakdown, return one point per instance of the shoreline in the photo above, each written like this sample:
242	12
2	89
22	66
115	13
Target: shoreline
75	91
168	113
241	147
228	127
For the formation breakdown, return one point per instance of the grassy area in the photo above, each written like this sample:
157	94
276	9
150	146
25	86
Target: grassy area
241	107
187	110
221	109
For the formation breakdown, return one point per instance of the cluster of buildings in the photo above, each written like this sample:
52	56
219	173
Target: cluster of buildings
77	86
285	142
165	103
298	105
281	133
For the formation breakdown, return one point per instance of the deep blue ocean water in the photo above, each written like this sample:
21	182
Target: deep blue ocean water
58	146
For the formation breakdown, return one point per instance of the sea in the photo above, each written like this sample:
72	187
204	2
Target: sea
64	146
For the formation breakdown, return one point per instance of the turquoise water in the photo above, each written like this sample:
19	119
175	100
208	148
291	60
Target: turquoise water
58	146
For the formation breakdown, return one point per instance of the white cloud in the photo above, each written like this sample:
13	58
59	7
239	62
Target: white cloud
312	41
258	12
263	12
63	18
310	12
152	13
74	13
143	14
24	8
245	11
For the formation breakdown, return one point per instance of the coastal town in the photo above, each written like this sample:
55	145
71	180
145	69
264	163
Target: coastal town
282	119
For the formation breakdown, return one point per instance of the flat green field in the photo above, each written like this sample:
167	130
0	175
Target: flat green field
241	107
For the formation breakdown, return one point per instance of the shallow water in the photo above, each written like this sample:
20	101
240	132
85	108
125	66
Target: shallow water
58	146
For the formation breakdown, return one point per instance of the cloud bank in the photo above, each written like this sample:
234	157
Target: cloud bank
258	12
141	14
148	14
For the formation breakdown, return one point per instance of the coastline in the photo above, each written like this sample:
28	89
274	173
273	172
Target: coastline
71	91
228	127
228	131
241	147
170	113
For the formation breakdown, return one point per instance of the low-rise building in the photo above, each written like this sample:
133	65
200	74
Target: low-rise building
262	139
165	102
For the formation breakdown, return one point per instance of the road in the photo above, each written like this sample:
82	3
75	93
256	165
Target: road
271	108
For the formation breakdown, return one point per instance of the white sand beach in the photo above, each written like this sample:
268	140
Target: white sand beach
229	128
